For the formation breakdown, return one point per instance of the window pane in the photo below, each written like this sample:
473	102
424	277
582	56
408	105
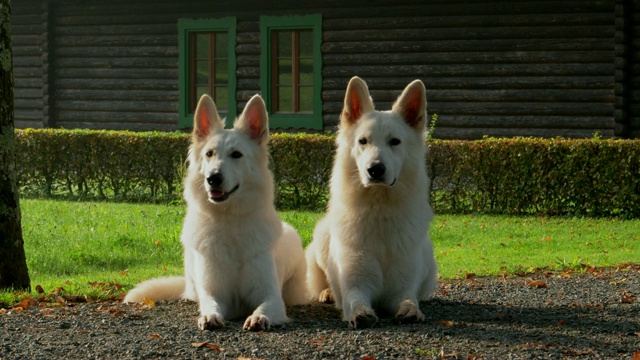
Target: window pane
306	98
201	90
306	72
222	45
285	99
202	72
284	72
222	98
222	72
202	45
306	44
284	44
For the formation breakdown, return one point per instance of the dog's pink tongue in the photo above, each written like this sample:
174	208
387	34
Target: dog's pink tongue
216	194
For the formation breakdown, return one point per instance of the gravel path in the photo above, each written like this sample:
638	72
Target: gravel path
559	316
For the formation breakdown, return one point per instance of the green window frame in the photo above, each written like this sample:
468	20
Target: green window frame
192	60
297	112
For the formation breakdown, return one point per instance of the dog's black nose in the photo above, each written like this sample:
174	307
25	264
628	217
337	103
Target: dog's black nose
215	179
377	171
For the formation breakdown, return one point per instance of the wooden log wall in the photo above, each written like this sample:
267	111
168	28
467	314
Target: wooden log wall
26	39
633	18
532	68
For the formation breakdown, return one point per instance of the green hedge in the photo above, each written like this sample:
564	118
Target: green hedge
590	177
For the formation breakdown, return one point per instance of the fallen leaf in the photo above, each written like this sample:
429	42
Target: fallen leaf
124	272
561	323
368	357
3	311
626	299
538	284
39	289
447	323
470	275
636	356
154	336
206	345
148	302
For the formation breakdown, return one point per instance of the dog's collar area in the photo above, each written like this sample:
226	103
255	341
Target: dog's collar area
218	196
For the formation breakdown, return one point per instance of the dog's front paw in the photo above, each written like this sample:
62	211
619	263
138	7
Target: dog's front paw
256	323
326	296
409	312
363	317
210	322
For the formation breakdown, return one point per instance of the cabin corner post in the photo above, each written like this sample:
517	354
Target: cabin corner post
623	58
46	58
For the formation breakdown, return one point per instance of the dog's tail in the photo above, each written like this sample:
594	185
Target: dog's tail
167	288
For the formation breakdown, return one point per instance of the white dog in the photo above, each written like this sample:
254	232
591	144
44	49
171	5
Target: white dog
372	249
239	258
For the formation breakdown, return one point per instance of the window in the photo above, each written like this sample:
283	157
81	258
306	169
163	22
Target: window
291	68
207	66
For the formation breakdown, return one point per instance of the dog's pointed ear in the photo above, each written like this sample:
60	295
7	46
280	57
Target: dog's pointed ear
357	101
206	119
412	105
254	120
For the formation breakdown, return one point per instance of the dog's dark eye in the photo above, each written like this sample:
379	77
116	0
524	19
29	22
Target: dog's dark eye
209	153
394	142
236	155
363	141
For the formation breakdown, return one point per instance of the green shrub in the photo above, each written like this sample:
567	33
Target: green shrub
589	177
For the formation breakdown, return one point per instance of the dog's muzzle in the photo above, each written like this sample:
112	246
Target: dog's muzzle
216	194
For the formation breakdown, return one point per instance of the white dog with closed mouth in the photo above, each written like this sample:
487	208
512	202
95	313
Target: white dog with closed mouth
239	258
372	249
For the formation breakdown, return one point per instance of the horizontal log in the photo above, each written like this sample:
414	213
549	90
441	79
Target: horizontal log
249	84
28	93
116	40
248	72
22	51
117	62
27	103
476	33
117	51
30	83
117	125
27	72
469	83
27	61
248	60
118	84
375	47
248	49
520	57
120	95
116	73
25	39
66	116
139	29
248	38
461	70
409	22
28	115
528	95
26	124
119	106
500	108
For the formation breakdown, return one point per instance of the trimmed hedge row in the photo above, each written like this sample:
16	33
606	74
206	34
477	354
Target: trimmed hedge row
590	177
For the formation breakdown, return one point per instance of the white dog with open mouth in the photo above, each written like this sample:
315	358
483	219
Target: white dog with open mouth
372	249
239	258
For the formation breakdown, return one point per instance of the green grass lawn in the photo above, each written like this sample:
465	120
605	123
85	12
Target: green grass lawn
73	244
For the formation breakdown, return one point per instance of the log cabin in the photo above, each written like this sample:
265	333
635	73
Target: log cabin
542	68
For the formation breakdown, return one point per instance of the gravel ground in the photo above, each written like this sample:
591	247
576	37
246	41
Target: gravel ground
560	316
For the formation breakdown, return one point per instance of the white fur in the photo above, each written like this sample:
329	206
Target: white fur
239	258
372	249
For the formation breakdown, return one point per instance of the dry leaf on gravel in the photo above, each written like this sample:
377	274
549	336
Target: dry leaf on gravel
39	289
627	299
538	284
207	345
